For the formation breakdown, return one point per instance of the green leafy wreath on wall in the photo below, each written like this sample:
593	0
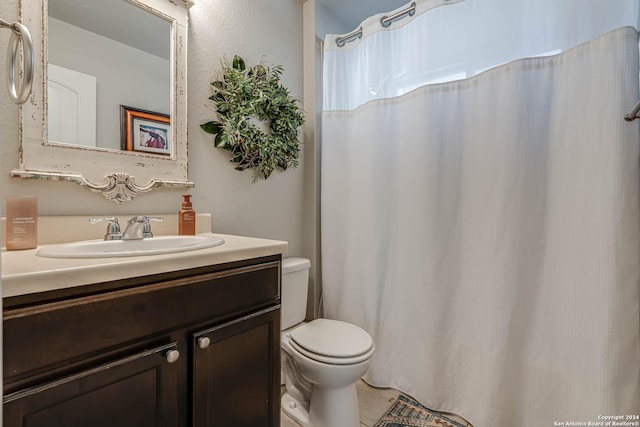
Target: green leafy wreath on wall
243	98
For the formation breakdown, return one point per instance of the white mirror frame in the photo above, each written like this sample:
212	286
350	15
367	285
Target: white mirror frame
118	175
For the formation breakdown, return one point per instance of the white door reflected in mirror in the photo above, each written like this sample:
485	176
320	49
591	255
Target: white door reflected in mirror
72	106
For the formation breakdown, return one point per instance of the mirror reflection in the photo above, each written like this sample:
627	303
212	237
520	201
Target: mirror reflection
106	59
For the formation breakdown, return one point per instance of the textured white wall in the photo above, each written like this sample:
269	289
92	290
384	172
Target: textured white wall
269	29
255	30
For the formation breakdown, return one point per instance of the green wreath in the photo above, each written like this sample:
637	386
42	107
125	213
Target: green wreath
243	96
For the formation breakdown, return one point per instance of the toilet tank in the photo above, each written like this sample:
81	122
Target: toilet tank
293	295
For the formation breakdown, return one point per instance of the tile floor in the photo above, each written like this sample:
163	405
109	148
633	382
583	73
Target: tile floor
373	403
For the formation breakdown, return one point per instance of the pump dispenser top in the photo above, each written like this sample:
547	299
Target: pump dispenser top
186	217
186	203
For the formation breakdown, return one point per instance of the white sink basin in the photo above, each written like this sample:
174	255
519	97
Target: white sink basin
123	248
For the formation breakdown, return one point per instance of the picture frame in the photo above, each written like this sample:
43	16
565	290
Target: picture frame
145	131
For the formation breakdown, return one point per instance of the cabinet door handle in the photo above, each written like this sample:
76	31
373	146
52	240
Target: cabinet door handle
203	342
172	356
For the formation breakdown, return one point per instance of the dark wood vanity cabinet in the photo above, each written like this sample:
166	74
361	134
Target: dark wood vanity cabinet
193	348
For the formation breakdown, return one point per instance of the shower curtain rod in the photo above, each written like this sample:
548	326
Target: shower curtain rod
385	21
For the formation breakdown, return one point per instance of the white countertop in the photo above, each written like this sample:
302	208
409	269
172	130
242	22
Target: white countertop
24	273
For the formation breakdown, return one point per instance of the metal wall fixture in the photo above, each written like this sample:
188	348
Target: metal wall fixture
19	34
633	114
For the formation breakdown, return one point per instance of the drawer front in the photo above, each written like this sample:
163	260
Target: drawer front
51	335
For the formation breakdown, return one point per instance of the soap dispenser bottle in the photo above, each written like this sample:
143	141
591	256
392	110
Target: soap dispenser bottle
187	217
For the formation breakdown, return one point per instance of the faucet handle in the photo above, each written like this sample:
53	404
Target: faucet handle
113	227
146	228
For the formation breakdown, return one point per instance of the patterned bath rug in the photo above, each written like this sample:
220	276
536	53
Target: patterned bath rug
406	412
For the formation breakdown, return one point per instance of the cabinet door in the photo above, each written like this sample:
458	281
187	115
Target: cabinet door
236	372
139	390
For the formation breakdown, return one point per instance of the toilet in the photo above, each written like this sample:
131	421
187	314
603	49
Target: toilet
321	360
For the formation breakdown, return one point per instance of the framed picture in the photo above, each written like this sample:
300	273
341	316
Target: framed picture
145	131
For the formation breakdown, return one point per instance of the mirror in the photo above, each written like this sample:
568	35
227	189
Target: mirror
95	66
108	110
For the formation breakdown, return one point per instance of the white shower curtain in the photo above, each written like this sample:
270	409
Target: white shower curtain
485	231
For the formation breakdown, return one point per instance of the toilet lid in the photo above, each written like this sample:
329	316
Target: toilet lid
332	338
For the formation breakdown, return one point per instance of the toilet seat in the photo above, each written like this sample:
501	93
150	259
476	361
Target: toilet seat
332	342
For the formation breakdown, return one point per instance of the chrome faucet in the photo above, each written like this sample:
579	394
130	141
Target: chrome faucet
139	227
113	227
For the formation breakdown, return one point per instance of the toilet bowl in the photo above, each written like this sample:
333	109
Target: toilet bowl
321	360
